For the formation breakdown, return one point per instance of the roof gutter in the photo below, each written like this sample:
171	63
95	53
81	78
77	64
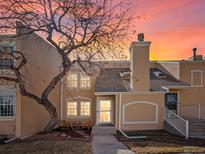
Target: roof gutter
177	87
130	93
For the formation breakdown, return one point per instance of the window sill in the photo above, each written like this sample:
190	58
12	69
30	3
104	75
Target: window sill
7	119
70	88
78	117
197	86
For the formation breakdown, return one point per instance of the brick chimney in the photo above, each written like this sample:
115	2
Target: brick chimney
140	67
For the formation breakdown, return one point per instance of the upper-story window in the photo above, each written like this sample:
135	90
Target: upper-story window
7	48
84	81
78	80
197	77
5	61
72	80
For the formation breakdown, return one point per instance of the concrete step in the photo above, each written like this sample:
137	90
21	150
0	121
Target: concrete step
196	136
197	128
103	130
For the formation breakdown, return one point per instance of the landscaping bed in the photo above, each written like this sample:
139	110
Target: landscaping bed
58	142
162	142
59	133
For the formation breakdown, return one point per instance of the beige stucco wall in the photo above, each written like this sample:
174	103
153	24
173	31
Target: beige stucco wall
7	127
141	112
43	64
194	95
140	67
79	94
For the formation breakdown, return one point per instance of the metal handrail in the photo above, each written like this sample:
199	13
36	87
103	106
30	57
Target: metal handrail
180	124
195	107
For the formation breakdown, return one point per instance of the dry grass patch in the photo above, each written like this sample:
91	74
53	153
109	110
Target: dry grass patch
163	142
46	145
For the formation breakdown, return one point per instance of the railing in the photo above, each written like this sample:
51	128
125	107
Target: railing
193	110
180	124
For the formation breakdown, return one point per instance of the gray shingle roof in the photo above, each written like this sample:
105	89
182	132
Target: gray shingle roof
111	81
156	84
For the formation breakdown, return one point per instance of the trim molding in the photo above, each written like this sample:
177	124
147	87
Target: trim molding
155	121
79	97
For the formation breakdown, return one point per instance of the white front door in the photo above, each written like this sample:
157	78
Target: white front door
104	111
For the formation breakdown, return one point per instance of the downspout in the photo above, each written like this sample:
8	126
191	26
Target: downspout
120	118
61	97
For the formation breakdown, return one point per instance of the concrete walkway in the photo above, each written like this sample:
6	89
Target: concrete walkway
104	141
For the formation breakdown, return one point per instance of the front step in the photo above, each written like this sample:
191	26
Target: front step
196	128
103	130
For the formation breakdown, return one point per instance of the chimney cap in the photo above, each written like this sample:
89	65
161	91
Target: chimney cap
140	37
194	49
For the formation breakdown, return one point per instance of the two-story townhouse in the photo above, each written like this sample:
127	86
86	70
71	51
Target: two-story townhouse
130	95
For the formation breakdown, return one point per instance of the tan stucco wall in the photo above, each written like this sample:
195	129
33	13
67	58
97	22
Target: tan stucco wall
43	64
193	95
140	67
140	111
7	127
79	94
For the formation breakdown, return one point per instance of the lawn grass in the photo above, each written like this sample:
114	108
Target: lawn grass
43	144
163	142
47	147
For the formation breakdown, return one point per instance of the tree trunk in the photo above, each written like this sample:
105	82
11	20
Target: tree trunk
53	122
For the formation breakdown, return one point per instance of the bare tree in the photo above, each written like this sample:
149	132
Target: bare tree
82	31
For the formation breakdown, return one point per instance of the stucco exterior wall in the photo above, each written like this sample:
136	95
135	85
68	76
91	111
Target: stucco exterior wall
7	127
140	76
191	97
43	64
141	111
79	94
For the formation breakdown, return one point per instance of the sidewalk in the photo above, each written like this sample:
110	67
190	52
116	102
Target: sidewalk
104	141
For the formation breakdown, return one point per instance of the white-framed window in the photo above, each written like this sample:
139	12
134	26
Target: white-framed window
84	81
72	108
7	106
85	108
78	80
197	77
72	80
78	108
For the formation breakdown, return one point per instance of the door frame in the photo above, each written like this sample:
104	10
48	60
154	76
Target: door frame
177	102
98	110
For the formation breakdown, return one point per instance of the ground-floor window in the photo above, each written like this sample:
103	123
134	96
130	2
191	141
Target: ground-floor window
72	109
78	108
7	106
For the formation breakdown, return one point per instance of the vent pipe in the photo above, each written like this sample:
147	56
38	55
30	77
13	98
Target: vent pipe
194	54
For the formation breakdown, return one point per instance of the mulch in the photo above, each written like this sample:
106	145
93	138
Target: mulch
161	141
62	134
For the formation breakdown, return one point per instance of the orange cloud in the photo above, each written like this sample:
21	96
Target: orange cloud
174	27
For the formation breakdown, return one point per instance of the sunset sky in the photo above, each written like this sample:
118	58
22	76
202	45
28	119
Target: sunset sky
173	26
